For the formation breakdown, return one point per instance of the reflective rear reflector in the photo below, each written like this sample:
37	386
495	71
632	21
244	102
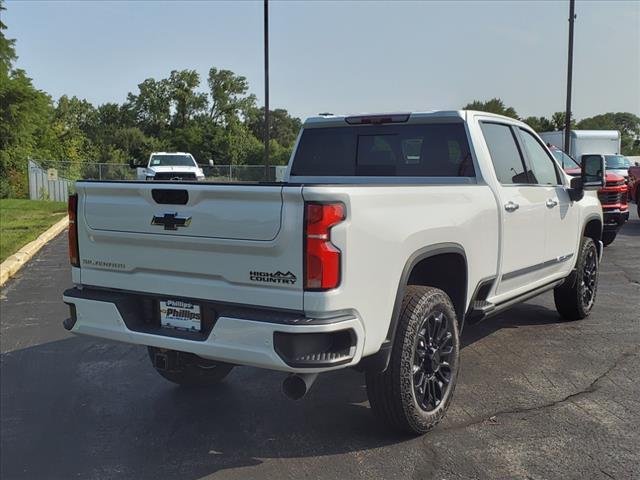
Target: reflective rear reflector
74	255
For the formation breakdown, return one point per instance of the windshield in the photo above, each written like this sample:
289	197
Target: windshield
565	160
172	161
617	162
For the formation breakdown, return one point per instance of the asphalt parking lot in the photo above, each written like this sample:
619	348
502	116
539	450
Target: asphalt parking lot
537	398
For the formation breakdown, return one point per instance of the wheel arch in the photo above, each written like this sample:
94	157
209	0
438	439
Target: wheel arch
425	267
593	229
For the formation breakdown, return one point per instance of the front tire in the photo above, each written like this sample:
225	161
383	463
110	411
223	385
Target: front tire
574	300
414	392
608	238
189	370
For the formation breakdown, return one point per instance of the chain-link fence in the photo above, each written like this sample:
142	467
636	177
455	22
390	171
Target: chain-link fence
120	171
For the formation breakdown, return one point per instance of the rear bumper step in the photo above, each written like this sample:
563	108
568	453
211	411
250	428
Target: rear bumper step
240	336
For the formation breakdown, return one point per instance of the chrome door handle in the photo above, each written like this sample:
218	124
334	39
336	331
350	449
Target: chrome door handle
551	203
511	206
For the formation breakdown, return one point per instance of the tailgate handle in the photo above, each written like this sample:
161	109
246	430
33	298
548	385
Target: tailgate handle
170	196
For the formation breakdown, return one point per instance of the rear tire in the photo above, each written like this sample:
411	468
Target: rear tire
608	238
189	370
574	300
412	395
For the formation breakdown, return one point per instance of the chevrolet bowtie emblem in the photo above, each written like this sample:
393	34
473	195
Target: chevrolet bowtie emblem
171	221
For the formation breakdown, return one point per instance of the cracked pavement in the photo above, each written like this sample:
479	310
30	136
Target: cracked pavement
537	398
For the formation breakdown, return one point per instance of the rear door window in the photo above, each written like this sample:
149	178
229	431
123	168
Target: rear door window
426	150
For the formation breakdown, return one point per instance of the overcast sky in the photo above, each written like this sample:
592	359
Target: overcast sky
342	57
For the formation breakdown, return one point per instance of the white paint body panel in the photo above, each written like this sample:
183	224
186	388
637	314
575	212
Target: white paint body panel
239	228
200	261
232	340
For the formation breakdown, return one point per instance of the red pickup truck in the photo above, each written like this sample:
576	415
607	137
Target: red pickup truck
613	196
634	186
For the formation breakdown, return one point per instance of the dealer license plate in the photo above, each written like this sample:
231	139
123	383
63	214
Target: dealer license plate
180	315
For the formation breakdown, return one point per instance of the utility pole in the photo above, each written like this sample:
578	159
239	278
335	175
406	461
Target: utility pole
266	91
567	115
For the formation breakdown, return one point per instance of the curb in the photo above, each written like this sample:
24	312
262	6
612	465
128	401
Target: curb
12	264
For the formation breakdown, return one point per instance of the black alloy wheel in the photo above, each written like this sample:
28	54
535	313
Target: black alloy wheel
431	361
589	278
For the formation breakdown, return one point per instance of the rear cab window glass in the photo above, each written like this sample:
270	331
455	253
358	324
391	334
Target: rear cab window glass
505	155
414	150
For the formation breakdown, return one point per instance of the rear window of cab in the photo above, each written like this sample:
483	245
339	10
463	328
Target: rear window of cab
416	150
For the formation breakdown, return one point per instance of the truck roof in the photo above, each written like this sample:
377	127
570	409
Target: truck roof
170	153
335	120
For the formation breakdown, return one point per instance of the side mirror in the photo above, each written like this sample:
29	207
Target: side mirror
133	165
576	190
592	172
210	162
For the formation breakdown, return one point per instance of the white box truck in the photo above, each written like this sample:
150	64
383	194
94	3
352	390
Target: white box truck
603	142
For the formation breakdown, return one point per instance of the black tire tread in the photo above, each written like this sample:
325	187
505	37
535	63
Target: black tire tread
385	389
608	238
567	296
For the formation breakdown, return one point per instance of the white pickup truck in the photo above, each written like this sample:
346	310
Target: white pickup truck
176	166
389	234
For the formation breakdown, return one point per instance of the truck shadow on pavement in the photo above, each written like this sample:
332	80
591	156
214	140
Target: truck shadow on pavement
84	408
519	316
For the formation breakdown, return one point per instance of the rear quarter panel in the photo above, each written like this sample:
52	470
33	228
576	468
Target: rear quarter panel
384	227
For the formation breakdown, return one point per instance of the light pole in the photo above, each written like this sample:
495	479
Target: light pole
266	90
567	115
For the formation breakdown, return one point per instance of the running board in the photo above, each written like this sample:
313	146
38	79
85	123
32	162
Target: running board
483	309
480	310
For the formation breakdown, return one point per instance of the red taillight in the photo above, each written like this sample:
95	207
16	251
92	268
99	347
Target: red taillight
74	255
321	257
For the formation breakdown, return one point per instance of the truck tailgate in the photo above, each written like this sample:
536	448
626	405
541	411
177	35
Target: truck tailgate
228	243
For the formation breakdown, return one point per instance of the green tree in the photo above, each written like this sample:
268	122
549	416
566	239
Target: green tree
627	123
7	46
539	124
186	101
495	105
229	97
283	128
25	117
151	107
557	119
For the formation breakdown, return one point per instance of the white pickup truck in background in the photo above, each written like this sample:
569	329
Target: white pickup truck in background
388	235
176	166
